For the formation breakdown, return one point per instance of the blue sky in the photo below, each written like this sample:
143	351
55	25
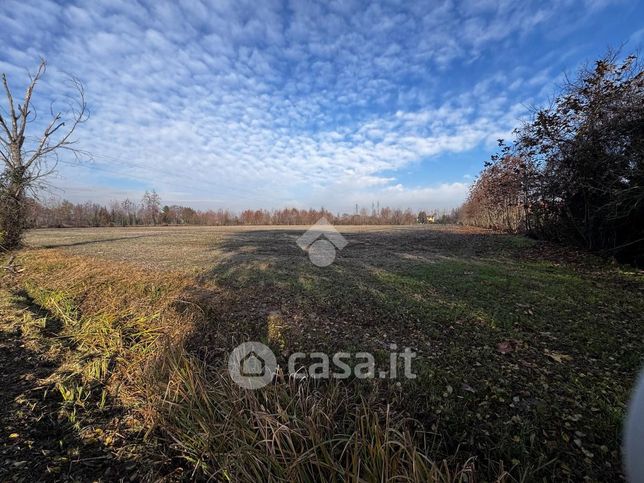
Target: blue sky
266	104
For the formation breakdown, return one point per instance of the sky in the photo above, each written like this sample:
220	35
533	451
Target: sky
268	104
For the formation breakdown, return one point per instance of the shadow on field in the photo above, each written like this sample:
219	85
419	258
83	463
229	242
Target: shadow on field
35	441
91	242
267	286
456	298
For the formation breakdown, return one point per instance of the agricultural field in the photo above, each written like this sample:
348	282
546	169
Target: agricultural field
115	342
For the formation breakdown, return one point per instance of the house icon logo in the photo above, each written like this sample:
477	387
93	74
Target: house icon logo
252	365
321	242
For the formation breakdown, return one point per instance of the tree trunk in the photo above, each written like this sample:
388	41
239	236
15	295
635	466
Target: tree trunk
13	217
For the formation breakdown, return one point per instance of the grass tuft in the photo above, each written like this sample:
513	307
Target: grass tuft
289	431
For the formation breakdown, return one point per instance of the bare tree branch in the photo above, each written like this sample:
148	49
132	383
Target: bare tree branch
4	126
26	169
47	144
24	111
12	110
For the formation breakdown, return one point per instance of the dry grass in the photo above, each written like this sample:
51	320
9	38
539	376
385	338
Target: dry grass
290	431
194	249
131	344
550	408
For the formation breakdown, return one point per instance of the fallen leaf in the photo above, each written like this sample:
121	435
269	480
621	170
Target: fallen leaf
468	388
506	346
587	453
557	356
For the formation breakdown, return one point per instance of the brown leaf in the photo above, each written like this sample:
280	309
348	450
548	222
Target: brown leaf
507	346
557	356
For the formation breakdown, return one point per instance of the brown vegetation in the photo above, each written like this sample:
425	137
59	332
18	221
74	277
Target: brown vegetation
149	212
575	173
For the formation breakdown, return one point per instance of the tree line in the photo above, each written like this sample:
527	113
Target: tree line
574	173
149	211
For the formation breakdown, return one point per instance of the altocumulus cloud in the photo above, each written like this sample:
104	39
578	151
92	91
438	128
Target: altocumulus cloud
262	104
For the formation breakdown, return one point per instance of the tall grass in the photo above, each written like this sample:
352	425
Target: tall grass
291	430
130	338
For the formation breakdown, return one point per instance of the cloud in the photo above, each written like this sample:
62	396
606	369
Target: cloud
257	104
443	196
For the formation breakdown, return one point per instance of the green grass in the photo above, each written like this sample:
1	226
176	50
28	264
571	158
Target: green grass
550	408
528	408
526	352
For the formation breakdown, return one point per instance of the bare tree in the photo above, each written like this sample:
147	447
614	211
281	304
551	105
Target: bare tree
150	207
29	160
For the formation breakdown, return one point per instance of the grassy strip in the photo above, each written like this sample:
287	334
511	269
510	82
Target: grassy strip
128	335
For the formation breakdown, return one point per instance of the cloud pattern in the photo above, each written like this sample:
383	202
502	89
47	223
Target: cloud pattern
266	104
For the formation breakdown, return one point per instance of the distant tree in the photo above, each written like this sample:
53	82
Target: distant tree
165	214
422	218
128	213
188	215
29	160
129	210
151	207
117	214
502	193
448	218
